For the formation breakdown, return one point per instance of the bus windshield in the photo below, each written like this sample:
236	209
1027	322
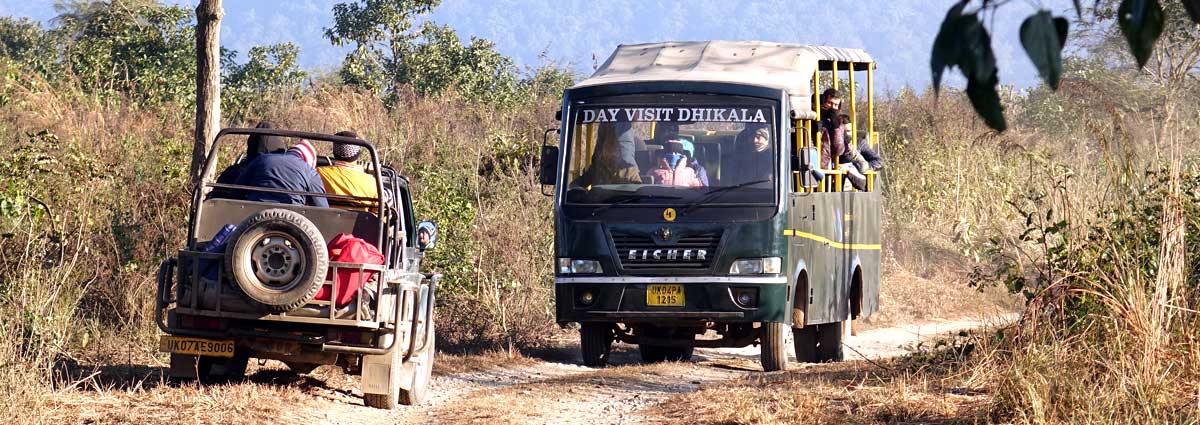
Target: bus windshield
643	149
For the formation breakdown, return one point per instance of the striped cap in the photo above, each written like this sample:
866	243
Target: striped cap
306	152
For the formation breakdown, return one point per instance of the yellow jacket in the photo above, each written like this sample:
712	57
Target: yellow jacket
345	178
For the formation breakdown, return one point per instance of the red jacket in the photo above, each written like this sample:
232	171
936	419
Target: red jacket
346	248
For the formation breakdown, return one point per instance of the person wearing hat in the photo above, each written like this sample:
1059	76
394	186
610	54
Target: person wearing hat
256	144
673	167
689	150
346	177
293	170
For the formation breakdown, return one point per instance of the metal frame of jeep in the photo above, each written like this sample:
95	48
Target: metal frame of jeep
403	308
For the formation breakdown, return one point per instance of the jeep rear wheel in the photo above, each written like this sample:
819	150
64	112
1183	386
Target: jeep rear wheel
278	259
421	376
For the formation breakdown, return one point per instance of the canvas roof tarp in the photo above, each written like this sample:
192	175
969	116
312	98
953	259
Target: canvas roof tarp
788	67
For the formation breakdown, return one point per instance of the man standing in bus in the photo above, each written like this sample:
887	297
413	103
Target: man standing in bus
832	132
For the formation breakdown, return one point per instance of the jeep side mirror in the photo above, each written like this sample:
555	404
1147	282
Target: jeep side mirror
426	235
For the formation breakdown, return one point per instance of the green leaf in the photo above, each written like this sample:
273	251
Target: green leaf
986	102
1193	9
1042	40
945	45
1141	21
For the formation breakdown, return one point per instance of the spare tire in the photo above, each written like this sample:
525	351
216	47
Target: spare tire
278	258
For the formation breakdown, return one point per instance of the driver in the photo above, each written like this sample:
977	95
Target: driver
613	158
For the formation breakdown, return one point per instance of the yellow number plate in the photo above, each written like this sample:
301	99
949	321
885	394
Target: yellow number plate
664	295
196	346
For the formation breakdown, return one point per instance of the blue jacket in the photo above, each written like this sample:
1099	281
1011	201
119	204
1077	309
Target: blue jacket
282	171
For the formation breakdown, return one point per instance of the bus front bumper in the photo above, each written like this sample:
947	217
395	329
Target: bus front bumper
626	299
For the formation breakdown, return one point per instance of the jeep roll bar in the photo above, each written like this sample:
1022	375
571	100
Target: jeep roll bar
211	164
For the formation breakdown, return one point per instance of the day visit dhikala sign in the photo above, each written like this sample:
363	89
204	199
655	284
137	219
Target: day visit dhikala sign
678	114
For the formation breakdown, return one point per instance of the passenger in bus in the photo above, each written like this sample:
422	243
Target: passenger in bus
673	169
664	131
858	159
831	130
689	151
755	161
613	158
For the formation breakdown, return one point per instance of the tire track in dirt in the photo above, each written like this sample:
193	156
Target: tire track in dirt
553	388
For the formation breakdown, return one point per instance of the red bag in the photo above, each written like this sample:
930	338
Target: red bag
346	248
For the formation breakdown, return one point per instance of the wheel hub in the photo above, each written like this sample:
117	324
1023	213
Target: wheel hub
276	260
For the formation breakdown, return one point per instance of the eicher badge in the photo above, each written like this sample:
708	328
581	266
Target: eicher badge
669	214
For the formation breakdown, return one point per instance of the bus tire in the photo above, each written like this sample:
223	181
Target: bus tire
595	343
829	342
773	354
805	340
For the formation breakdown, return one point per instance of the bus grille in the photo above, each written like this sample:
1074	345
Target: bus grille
683	254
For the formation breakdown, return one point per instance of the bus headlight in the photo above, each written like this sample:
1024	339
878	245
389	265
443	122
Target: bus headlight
573	266
769	265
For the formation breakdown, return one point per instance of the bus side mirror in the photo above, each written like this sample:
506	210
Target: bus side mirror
547	171
810	167
549	166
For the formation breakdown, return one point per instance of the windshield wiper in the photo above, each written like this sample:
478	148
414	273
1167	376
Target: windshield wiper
629	199
708	196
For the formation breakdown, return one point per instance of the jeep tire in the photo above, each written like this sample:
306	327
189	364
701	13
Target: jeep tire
421	375
278	259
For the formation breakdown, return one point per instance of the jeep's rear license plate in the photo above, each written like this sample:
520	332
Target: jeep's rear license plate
196	346
664	295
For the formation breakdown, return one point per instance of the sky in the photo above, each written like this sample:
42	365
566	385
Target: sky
578	33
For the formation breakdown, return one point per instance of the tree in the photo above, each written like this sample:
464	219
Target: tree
963	41
138	48
268	69
208	81
381	32
389	52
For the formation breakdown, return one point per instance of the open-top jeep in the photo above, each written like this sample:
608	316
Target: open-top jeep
263	280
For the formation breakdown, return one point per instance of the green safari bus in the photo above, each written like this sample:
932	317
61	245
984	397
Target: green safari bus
694	206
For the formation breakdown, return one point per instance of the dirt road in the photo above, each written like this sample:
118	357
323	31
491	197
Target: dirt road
553	387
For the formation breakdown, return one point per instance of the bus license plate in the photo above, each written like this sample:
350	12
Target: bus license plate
664	295
196	346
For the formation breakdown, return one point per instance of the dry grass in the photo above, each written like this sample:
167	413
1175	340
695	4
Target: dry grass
848	392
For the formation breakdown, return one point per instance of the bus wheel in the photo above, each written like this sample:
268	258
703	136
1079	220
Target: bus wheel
829	342
773	356
805	340
595	341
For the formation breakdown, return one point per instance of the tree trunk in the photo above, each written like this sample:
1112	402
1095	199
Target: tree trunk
208	81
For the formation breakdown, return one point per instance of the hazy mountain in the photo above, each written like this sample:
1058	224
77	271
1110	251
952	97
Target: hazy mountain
897	33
